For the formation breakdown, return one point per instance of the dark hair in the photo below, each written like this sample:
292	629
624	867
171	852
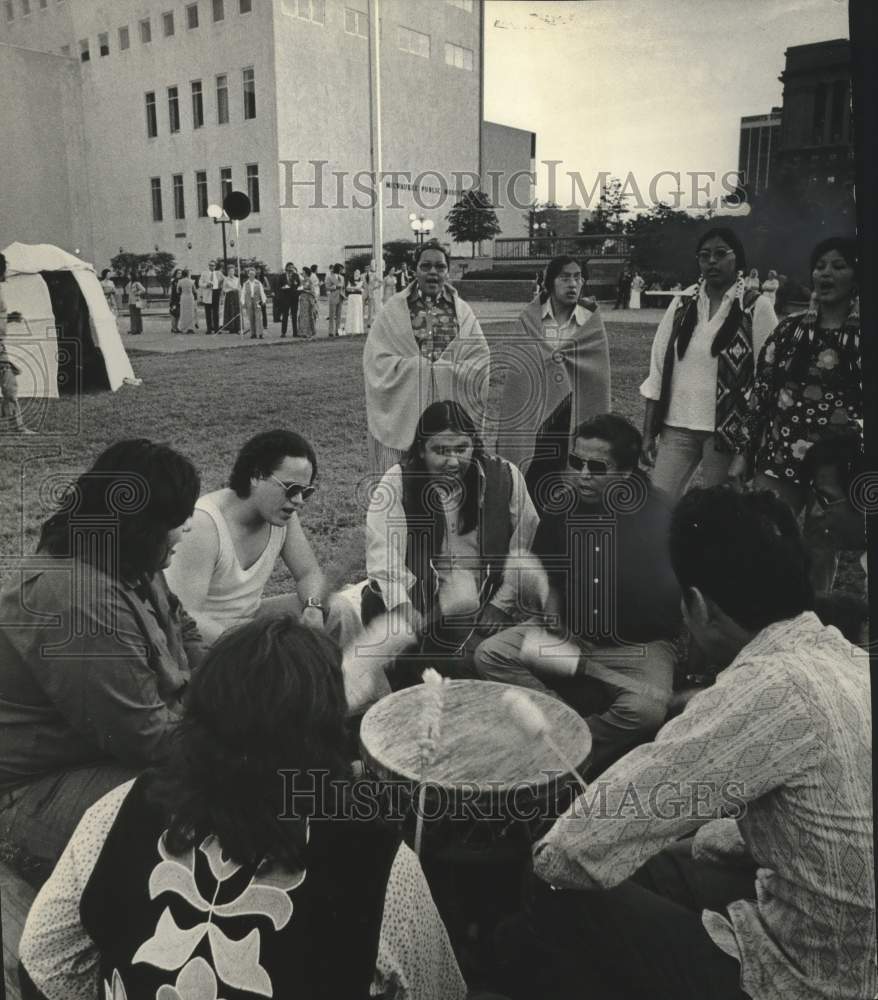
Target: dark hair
846	247
843	452
269	696
262	454
743	551
555	266
2	264
726	332
432	245
620	434
104	273
135	493
846	612
438	417
289	263
314	268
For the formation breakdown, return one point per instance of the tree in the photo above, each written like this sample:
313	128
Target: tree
163	264
125	263
473	219
663	243
607	217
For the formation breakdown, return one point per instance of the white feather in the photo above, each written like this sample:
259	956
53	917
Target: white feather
526	715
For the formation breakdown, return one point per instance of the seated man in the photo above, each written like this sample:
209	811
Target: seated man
620	606
221	568
771	766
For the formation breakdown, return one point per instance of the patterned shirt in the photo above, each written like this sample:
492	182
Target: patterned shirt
783	740
434	321
415	960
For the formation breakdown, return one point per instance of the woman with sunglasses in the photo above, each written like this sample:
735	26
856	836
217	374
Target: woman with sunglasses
808	385
425	344
702	368
440	527
238	534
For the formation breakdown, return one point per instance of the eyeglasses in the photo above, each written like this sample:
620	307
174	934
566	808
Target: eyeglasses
720	254
426	266
826	502
594	465
292	490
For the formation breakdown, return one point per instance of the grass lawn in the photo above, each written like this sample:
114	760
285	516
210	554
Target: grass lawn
207	403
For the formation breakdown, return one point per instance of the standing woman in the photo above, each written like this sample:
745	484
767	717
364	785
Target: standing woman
136	299
353	324
425	345
175	301
557	372
389	284
108	287
185	303
770	287
307	307
702	367
637	286
752	280
808	383
232	302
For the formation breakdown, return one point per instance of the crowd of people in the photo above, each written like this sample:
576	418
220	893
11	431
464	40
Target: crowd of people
152	697
240	304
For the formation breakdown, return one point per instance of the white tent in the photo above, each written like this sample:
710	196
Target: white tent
33	343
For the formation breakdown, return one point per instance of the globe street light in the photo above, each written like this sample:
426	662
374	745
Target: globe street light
421	227
219	218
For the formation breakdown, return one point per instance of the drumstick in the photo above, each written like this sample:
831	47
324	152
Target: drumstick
531	721
434	696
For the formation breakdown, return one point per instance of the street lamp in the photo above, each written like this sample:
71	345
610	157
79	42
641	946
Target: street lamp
420	226
219	218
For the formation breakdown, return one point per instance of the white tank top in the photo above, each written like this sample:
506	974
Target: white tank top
234	593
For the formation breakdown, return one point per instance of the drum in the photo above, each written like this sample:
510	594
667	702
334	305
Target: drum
485	770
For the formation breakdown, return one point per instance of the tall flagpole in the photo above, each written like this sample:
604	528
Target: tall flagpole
375	138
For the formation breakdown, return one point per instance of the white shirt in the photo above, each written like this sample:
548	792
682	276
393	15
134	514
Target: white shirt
693	384
555	331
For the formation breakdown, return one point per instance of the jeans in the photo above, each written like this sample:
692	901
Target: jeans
40	817
643	938
680	452
623	698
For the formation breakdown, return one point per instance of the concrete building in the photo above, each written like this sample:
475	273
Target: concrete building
760	138
177	102
508	165
816	140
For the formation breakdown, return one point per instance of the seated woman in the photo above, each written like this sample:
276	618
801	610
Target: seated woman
438	533
95	651
242	868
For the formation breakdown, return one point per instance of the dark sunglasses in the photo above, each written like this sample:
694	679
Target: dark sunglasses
826	503
292	490
594	465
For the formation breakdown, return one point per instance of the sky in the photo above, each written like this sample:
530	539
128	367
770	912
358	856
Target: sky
635	87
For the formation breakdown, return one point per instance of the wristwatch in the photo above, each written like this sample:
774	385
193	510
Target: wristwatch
314	602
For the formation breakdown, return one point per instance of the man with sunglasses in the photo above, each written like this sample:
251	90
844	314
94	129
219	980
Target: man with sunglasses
603	542
221	568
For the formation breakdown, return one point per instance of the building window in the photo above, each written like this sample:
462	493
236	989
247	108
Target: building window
84	54
466	5
458	56
192	15
253	186
25	7
152	125
65	50
179	202
124	39
311	10
10	11
197	104
413	41
44	4
201	193
168	23
145	31
219	10
225	183
837	112
245	6
356	22
156	190
222	100
174	109
249	94
104	43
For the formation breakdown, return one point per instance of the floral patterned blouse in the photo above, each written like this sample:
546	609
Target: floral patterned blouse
796	401
434	322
